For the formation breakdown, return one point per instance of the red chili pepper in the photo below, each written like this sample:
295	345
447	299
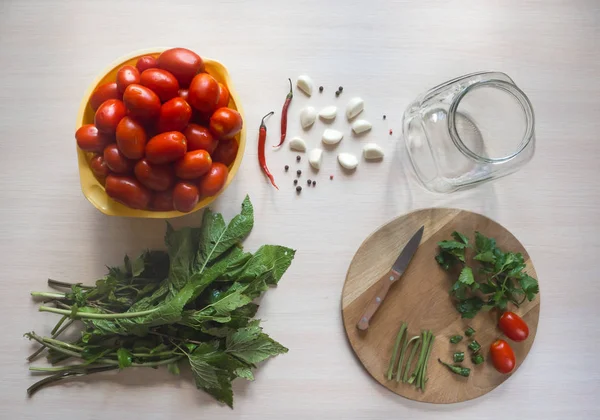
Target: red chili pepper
284	113
262	137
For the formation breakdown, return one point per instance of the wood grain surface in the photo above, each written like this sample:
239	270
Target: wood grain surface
421	299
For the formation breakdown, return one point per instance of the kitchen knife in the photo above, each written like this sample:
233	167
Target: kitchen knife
390	277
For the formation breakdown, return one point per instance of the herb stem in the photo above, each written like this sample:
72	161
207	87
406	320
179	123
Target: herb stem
56	283
402	353
49	295
399	337
90	315
410	359
64	375
56	334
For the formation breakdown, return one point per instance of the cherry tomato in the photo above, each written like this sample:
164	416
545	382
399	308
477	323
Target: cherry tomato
193	164
174	115
184	93
166	147
225	123
141	101
89	139
116	161
503	356
204	93
146	62
182	63
104	93
99	167
226	152
126	76
109	114
200	118
128	191
161	82
185	197
223	96
211	183
513	326
162	201
131	138
155	177
199	137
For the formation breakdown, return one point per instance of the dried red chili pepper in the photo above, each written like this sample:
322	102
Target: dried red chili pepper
262	137
284	115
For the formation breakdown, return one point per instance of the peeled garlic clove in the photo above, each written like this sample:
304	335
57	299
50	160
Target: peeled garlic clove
360	126
372	151
315	157
332	136
348	161
328	113
308	116
354	107
298	144
305	84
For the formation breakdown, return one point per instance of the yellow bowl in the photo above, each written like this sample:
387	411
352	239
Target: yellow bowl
94	190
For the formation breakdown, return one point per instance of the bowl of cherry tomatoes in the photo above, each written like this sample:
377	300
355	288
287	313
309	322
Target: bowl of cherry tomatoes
160	133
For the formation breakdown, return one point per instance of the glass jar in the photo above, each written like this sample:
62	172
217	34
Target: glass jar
471	129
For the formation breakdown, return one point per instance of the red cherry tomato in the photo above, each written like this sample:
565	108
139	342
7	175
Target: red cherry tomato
89	139
108	115
503	356
204	93
128	191
161	82
131	138
99	167
223	96
104	93
199	137
162	201
116	161
182	63
226	152
155	177
174	115
146	62
141	101
513	326
126	76
166	147
225	123
211	183
193	164
185	197
200	118
185	94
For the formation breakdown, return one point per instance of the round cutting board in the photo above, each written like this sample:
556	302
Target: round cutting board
421	299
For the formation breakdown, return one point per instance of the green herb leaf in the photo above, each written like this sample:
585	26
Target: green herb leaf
124	357
487	256
252	346
174	368
244	372
468	308
530	286
459	237
466	276
483	243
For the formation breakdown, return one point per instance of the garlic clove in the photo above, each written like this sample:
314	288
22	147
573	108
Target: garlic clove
308	117
360	126
331	136
328	113
354	107
348	161
372	151
315	157
305	84
296	143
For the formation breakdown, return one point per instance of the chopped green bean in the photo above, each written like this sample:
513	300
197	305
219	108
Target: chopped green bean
410	359
469	332
424	375
402	353
390	372
456	339
474	346
459	370
477	359
459	356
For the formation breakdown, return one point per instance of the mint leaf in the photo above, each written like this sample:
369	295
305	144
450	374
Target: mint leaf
252	346
180	247
244	372
124	357
269	264
213	372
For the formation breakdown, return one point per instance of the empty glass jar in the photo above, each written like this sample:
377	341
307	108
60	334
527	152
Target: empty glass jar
469	130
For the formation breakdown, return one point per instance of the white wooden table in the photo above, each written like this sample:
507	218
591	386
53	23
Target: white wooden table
385	51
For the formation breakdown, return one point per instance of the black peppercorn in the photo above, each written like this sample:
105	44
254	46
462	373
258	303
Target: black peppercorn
298	188
309	182
341	88
298	158
320	88
298	172
384	116
287	167
295	182
337	93
314	183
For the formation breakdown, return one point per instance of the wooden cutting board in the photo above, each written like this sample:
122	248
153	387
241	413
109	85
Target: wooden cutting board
421	299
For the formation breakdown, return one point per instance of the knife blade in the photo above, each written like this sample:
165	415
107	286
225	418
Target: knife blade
386	281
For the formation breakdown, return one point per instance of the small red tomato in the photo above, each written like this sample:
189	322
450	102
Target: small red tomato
200	118
89	139
193	164
225	123
184	93
211	183
204	93
162	201
174	115
185	197
513	326
126	76
155	177
99	167
141	101
503	356
182	63
131	138
128	191
199	137
116	161
108	115
104	93
226	152
146	62
161	82
223	96
166	147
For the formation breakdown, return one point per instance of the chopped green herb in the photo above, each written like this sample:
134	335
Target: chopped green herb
456	339
459	370
402	353
399	337
474	346
410	359
477	359
469	332
459	356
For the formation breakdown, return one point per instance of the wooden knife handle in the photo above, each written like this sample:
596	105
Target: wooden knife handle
383	285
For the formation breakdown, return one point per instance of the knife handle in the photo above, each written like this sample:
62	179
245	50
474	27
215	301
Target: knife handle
384	284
